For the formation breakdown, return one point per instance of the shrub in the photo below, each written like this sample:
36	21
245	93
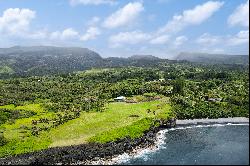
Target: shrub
3	140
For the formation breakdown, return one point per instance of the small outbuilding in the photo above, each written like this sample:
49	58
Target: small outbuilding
214	99
120	99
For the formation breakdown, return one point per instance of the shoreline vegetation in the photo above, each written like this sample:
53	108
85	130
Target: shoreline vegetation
103	153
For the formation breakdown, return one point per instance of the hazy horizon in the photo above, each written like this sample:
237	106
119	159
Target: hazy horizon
129	55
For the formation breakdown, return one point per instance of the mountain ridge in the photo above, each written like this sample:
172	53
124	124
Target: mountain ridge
209	58
46	60
148	57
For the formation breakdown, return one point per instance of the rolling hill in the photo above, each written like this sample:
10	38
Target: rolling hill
143	57
46	60
42	60
214	58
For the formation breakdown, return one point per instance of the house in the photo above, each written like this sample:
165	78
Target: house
211	100
214	99
218	99
120	99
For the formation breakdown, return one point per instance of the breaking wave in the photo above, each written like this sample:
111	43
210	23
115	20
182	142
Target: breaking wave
160	140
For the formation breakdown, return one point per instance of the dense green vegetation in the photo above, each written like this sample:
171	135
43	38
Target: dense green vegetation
38	112
216	93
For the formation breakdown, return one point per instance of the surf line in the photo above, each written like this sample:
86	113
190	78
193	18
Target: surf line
160	140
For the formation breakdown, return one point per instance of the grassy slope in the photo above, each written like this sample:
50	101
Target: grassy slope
105	126
90	124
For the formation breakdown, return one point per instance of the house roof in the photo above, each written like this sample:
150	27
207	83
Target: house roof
120	98
214	99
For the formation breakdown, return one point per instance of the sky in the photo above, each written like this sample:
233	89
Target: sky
122	28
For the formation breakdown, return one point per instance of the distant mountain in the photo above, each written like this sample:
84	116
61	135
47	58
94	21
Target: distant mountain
134	61
144	57
41	60
47	60
213	58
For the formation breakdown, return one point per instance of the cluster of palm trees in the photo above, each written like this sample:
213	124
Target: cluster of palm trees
60	118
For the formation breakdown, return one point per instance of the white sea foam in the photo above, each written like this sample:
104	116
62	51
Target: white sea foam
160	141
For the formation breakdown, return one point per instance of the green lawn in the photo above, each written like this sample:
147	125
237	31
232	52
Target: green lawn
113	123
115	116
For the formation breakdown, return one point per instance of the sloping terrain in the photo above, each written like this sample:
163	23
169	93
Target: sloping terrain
47	60
42	60
214	58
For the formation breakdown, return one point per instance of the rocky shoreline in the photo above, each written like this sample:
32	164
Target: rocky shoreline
179	124
212	121
96	153
87	152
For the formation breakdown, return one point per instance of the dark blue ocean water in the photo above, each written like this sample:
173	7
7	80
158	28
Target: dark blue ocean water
224	145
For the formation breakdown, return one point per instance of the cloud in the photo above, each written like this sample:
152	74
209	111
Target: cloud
91	2
93	21
133	37
55	35
208	39
124	16
212	50
151	17
195	16
40	34
163	1
16	21
160	39
180	40
217	50
68	33
91	34
240	38
240	16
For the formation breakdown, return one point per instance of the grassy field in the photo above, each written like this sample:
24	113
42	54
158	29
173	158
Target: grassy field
113	123
116	115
